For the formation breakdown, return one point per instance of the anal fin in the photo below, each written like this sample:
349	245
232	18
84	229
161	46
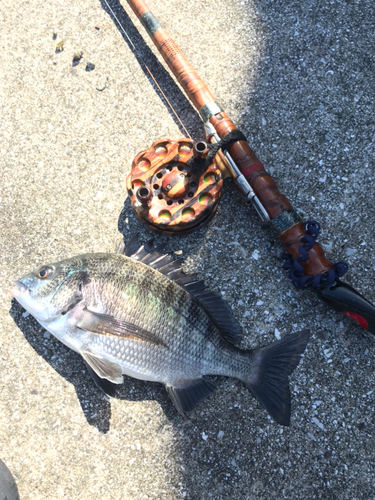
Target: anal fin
189	393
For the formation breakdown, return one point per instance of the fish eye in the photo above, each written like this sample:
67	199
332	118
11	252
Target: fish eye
44	272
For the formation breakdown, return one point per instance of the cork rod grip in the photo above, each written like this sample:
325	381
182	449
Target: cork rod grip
260	181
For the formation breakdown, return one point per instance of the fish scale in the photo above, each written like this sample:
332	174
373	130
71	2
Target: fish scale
128	317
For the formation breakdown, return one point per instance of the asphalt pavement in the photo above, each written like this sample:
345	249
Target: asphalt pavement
298	79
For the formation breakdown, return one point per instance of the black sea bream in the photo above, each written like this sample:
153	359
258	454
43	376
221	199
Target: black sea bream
137	313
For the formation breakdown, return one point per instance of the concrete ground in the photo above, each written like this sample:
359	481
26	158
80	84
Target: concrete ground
297	78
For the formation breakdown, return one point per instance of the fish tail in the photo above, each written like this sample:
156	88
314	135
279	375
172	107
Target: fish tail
270	369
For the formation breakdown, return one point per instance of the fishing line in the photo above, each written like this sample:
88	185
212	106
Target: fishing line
147	69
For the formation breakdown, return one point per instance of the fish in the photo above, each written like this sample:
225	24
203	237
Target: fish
137	313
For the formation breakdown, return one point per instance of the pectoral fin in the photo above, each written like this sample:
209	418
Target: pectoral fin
103	368
105	324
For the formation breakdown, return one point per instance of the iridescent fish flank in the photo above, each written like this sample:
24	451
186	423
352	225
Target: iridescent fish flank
137	313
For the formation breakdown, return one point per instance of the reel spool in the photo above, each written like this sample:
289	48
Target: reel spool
173	188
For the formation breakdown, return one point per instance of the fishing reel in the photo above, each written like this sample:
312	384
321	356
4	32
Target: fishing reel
175	186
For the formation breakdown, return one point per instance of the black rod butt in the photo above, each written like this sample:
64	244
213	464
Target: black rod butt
345	299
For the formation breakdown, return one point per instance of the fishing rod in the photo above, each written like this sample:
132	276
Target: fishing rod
175	186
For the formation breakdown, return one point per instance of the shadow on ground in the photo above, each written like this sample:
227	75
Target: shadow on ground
8	487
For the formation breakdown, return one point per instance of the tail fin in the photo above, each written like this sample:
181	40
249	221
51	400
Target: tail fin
269	374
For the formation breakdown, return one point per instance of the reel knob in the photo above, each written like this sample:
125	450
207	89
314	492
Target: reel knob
172	188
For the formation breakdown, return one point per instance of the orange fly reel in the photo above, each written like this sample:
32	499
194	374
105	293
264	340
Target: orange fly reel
173	187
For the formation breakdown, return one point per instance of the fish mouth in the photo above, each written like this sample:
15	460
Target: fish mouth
18	289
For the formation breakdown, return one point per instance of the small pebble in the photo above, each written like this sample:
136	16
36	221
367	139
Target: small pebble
318	423
90	66
350	251
60	46
77	56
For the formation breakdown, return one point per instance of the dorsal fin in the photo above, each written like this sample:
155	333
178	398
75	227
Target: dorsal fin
164	263
153	257
132	247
